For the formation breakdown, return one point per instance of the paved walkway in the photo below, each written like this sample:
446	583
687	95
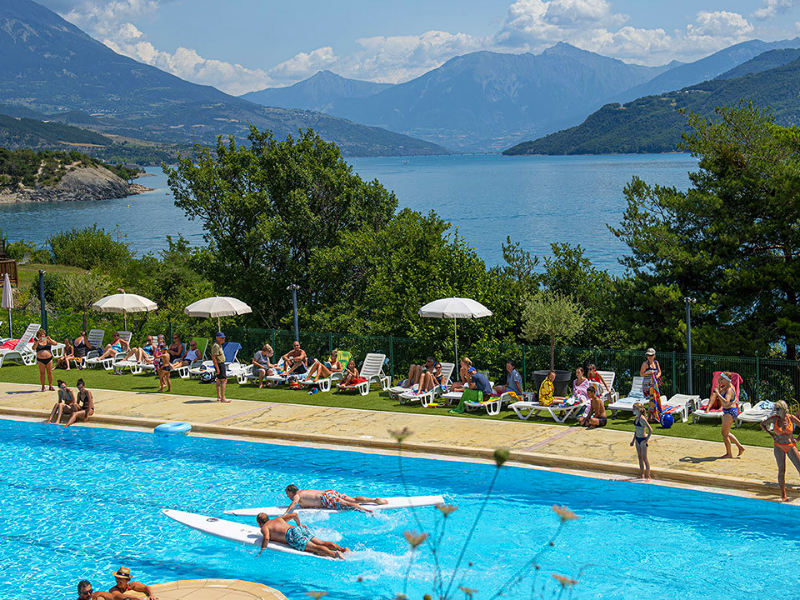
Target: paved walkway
608	452
213	589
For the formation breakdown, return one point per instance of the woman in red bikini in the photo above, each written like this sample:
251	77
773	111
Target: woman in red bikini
783	437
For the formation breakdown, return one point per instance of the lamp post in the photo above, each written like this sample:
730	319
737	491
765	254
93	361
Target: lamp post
41	301
294	287
689	301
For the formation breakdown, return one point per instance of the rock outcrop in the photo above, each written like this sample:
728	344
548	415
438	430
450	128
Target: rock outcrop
83	184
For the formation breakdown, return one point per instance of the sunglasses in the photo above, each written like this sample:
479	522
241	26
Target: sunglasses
88	592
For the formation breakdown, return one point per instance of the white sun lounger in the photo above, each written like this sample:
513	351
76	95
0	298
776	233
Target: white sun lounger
683	404
372	371
430	396
23	351
762	410
93	360
525	409
493	405
610	395
636	395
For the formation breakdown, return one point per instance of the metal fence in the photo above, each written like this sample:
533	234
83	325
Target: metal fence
764	379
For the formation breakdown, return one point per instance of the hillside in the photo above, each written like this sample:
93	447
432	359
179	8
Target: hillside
484	101
653	123
30	133
318	92
50	66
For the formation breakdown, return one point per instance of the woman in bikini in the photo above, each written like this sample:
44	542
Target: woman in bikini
325	369
85	405
69	354
81	349
43	346
730	410
642	432
65	404
784	442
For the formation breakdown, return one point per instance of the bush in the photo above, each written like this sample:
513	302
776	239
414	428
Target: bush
88	248
18	250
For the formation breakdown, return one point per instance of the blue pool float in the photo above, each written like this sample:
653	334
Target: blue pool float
180	428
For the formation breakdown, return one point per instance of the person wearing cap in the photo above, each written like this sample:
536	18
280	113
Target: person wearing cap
650	366
124	584
218	358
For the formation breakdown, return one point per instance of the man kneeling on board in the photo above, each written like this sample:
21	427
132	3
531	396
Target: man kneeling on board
297	536
329	499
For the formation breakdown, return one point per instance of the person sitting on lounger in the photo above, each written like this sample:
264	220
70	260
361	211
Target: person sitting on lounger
329	499
295	361
546	391
84	405
117	345
597	411
124	584
62	362
262	366
143	355
176	349
324	370
430	379
81	349
580	385
64	405
513	381
596	377
350	375
464	378
299	536
192	355
415	372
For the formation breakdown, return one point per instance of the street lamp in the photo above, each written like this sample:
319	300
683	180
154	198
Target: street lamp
689	301
41	300
294	287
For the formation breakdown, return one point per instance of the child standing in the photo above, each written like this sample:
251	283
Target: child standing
643	431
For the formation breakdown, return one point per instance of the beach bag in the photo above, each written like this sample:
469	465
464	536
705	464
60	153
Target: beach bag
208	377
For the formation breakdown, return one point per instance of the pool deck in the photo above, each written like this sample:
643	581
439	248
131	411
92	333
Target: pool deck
600	452
212	589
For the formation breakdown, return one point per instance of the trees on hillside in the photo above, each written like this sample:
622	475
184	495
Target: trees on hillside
732	240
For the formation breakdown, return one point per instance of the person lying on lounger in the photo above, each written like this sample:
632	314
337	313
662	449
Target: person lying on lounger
329	499
117	345
299	536
324	370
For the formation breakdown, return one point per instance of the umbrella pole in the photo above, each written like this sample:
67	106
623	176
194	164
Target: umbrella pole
125	320
10	335
455	339
218	325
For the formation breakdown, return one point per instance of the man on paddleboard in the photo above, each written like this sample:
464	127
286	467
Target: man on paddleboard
329	499
299	536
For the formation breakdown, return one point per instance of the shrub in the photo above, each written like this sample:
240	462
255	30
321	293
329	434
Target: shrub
88	248
18	250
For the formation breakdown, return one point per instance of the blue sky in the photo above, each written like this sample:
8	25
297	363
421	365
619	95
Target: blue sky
243	45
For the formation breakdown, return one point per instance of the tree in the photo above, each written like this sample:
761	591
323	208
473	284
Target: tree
81	290
554	316
732	240
268	207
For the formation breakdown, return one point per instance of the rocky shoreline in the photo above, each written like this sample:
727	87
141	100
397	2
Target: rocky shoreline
81	185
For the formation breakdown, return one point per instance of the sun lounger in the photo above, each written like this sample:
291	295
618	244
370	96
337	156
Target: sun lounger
636	395
23	351
324	384
683	404
610	395
560	412
492	404
429	397
233	368
762	410
93	360
372	371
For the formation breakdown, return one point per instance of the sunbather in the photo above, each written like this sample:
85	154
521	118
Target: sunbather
415	372
143	354
350	375
69	355
783	440
81	349
192	355
84	404
730	410
593	375
262	366
513	381
326	369
295	361
430	379
546	391
329	499
580	385
117	345
299	536
464	378
176	349
597	411
64	405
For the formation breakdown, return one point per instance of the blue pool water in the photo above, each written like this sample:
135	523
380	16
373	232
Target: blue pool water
79	503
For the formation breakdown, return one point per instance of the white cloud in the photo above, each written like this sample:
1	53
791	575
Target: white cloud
771	8
304	64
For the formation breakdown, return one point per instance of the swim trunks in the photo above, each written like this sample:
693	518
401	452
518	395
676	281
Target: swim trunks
601	421
330	499
298	536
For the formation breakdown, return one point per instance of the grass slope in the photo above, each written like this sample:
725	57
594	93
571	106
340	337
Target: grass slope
96	378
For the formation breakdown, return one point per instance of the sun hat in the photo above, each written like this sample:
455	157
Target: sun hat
122	573
220	334
651	352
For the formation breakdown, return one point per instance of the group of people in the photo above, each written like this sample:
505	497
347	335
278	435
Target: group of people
120	591
78	406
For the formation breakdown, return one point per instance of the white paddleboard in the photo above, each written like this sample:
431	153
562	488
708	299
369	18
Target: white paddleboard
231	531
396	502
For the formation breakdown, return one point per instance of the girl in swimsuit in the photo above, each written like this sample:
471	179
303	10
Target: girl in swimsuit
69	354
642	432
85	404
65	403
43	346
730	410
784	442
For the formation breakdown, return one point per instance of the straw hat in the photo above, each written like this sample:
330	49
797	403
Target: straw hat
122	573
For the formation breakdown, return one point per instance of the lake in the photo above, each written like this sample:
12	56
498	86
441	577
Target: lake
536	200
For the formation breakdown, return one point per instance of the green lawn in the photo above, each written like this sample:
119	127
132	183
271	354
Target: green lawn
29	273
98	378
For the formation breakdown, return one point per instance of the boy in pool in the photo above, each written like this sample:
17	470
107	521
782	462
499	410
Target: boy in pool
330	499
297	536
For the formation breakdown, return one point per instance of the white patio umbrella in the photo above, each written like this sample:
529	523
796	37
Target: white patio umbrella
217	306
8	301
454	308
124	303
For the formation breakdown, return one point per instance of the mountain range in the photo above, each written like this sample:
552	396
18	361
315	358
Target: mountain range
50	66
655	123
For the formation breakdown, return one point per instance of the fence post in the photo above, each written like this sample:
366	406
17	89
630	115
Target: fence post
758	379
595	358
330	342
273	340
524	366
675	389
391	357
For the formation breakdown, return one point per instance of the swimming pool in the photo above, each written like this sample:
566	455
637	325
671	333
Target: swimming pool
81	502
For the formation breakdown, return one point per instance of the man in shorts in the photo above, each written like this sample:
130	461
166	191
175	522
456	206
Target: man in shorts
218	358
597	411
294	361
299	536
123	584
329	499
